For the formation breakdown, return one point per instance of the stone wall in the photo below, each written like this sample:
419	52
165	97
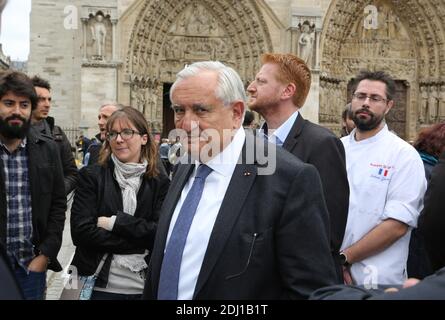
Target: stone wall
55	56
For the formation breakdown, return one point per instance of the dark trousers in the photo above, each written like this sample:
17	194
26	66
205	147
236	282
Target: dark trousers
33	284
99	295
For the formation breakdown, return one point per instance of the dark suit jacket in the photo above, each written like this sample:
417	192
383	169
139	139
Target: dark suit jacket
432	218
431	288
48	199
290	256
318	146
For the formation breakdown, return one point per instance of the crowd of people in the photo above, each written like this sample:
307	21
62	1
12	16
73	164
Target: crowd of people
232	208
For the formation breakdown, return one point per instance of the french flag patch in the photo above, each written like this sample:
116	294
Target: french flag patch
383	172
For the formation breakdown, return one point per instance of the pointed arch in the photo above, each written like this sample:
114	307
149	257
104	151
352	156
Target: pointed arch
420	60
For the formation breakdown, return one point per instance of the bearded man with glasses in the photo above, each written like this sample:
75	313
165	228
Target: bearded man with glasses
387	184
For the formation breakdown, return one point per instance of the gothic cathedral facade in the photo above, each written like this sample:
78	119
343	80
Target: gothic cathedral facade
130	50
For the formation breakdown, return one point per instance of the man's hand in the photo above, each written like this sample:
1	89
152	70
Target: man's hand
347	277
408	283
39	263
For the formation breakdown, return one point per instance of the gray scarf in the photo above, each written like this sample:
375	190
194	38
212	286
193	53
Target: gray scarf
128	176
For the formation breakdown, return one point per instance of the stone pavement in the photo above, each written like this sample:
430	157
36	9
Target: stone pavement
55	280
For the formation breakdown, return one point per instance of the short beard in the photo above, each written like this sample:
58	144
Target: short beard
367	125
14	132
263	107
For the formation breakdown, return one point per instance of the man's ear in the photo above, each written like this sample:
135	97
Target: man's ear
289	91
238	111
389	106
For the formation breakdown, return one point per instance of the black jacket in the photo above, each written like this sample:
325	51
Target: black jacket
66	155
48	199
432	218
94	151
98	194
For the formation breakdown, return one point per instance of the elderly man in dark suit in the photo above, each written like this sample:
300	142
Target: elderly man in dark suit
234	226
278	92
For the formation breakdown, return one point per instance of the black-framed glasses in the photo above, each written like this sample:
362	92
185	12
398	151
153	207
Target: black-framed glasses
374	98
125	134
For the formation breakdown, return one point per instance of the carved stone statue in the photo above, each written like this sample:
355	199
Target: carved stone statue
423	103
306	42
99	34
442	103
432	104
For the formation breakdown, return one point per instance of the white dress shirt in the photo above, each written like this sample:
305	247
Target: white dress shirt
279	135
215	188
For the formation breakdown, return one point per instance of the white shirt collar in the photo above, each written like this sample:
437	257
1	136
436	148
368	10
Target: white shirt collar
21	145
225	161
282	131
372	139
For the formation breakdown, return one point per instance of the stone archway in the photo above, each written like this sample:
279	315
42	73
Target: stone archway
169	34
406	38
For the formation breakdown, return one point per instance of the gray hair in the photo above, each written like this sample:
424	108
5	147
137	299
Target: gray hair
230	87
119	106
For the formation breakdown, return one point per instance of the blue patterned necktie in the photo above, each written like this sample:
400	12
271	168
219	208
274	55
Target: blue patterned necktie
171	264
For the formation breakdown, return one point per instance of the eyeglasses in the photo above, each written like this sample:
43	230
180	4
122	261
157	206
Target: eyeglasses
125	134
373	98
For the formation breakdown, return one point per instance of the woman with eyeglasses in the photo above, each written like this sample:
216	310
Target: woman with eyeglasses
116	208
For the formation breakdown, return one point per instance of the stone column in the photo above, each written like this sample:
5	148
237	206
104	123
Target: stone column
84	32
114	23
317	51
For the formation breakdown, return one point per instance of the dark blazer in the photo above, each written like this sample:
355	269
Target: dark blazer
432	218
48	199
430	288
98	194
318	146
290	256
